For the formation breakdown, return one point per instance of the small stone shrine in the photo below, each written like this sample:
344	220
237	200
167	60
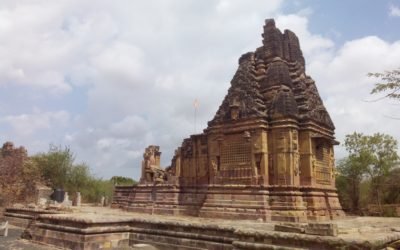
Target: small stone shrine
267	153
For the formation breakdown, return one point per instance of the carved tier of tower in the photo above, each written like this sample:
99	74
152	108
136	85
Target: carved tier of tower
267	153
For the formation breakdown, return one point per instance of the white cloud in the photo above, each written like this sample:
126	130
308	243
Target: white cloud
27	124
314	46
394	11
345	87
120	63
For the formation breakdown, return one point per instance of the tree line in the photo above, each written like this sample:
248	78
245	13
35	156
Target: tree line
57	169
370	173
367	175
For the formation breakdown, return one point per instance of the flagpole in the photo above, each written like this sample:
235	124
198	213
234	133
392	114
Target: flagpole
195	104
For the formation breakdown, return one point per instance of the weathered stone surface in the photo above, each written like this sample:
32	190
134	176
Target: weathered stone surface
22	216
151	170
325	229
290	228
266	155
78	199
88	230
43	195
4	228
15	185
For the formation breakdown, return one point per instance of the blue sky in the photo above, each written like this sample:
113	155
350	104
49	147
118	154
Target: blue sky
346	20
109	78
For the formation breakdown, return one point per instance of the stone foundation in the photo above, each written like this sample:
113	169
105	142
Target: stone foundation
22	217
271	203
106	230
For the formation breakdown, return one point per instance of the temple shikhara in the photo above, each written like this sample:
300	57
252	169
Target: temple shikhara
266	154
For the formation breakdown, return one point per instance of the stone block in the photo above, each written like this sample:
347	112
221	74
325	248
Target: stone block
289	228
42	202
323	229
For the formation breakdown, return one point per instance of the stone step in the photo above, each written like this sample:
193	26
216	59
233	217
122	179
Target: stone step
266	246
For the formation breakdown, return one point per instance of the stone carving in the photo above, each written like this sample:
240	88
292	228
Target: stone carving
243	99
296	165
272	82
187	148
214	167
151	170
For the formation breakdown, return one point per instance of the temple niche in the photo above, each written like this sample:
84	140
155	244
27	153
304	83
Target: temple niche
267	153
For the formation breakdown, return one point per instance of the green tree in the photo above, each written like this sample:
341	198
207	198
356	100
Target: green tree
389	84
97	188
55	165
58	169
78	178
384	157
348	182
392	187
370	157
122	181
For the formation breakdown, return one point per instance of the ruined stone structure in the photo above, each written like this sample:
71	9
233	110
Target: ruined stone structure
14	186
11	160
151	170
267	153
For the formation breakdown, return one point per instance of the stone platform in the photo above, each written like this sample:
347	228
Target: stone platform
237	202
95	228
21	217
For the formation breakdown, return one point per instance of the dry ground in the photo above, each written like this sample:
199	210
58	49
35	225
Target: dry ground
14	242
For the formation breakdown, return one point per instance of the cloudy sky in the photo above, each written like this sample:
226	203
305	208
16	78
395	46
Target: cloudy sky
108	78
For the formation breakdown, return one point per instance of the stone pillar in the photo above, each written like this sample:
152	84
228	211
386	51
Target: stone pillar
78	199
66	197
102	201
307	161
332	166
295	157
66	201
262	150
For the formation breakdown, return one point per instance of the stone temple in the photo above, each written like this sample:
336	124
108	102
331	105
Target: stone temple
267	153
